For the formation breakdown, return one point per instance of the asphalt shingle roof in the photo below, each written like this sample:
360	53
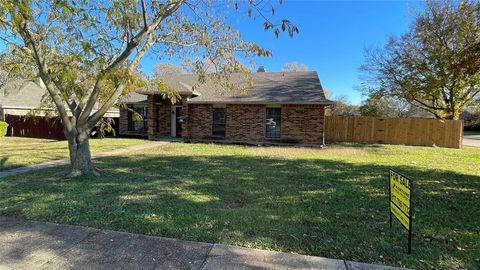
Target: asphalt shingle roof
21	93
268	88
27	94
135	98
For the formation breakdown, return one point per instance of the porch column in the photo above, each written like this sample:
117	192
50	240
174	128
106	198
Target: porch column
185	127
152	117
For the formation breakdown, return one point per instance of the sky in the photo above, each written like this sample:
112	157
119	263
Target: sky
332	38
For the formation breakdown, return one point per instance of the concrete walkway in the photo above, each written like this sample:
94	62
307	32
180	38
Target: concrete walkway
66	161
43	245
471	142
471	139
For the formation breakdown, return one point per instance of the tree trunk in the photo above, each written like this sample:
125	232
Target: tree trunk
80	157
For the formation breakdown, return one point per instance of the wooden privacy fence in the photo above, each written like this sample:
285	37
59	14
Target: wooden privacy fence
408	131
35	127
39	127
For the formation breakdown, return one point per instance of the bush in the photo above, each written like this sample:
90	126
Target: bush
3	128
473	124
473	127
105	125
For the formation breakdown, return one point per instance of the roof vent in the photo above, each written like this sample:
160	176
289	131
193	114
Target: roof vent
261	69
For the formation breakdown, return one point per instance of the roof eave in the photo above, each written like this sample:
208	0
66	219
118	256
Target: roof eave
327	102
146	92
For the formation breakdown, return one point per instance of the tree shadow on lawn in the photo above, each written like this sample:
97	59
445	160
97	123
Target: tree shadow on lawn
316	207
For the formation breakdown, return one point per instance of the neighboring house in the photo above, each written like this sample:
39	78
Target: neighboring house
21	106
24	97
280	107
19	97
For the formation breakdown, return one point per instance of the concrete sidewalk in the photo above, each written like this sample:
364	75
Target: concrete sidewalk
66	161
471	138
43	245
474	142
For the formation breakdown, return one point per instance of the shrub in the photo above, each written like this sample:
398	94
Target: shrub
473	127
3	128
105	125
473	124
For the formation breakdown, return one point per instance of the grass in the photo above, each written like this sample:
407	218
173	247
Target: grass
18	152
325	202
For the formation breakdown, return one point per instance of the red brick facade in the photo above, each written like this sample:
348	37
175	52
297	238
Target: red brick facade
200	121
159	123
244	122
303	123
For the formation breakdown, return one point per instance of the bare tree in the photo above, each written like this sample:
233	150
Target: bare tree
163	69
294	67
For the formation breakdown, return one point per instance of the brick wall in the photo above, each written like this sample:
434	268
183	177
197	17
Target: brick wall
200	117
164	114
300	123
185	116
152	116
165	119
159	119
245	122
303	123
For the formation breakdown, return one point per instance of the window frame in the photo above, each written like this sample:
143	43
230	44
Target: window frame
273	113
143	113
224	124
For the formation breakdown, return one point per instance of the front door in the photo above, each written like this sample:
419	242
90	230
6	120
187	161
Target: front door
177	121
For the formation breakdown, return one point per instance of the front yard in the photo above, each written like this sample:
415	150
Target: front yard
324	202
18	152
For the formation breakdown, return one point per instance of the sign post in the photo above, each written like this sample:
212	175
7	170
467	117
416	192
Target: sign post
400	191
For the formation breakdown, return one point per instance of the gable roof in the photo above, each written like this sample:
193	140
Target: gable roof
268	88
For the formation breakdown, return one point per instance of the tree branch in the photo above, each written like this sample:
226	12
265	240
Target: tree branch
144	14
37	55
131	68
131	45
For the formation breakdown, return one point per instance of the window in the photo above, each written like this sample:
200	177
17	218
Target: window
273	123
137	118
219	122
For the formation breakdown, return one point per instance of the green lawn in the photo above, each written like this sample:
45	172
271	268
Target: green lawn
324	202
18	152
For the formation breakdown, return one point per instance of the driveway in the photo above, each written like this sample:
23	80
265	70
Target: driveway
471	138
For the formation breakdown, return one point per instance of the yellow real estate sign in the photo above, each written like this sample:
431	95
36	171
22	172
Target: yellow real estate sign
400	198
400	201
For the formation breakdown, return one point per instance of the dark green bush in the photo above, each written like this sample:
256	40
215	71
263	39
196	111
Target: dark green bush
473	125
3	128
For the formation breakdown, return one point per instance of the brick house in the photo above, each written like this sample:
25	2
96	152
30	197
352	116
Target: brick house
279	107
